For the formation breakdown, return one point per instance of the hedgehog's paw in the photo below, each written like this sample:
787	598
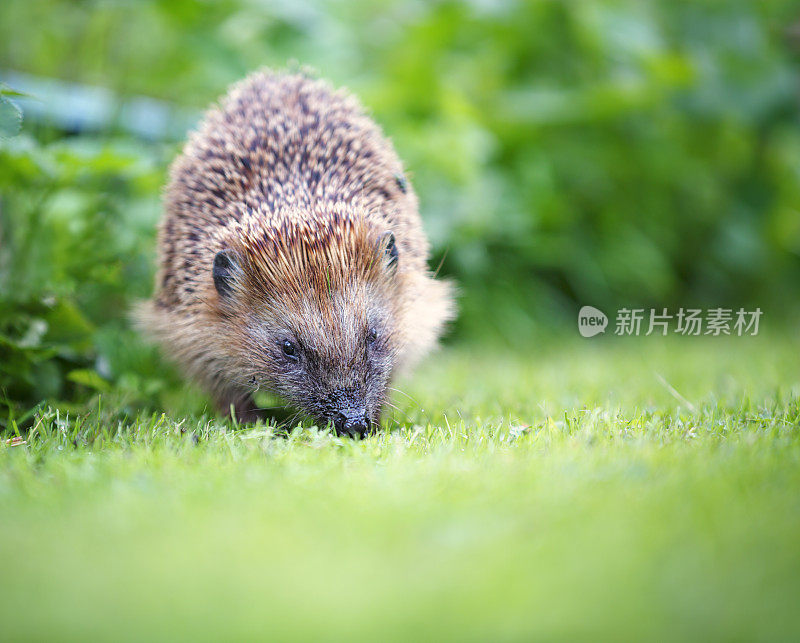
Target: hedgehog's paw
240	407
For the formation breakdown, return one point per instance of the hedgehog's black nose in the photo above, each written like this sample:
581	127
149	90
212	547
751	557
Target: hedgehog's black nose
353	422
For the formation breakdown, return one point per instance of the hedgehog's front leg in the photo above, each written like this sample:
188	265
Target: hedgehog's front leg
240	406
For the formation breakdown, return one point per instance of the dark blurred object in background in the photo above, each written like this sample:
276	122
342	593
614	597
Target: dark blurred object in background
604	153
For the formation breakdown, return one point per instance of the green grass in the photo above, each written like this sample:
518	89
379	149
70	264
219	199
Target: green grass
586	490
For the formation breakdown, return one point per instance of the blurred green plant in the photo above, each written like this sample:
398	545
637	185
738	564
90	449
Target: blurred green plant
77	220
612	153
10	113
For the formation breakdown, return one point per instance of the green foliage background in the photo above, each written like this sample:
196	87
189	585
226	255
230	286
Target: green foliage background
566	153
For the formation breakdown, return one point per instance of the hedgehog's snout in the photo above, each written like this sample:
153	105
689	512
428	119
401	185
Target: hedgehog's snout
351	421
347	411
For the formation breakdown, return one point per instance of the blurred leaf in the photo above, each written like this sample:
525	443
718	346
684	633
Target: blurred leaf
5	90
10	118
88	378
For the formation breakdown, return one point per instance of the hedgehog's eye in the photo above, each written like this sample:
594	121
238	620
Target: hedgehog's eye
372	335
289	349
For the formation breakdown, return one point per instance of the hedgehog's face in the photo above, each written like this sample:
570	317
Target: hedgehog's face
333	359
329	349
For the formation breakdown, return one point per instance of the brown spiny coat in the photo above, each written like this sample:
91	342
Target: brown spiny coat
319	289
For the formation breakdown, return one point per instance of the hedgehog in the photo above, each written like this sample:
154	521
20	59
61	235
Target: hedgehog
292	257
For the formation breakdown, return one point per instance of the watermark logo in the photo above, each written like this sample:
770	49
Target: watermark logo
685	321
591	321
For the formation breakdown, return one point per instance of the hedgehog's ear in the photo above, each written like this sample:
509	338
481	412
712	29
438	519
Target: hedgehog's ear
224	272
389	248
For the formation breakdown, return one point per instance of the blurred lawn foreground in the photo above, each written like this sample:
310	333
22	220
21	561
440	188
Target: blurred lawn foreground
606	490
